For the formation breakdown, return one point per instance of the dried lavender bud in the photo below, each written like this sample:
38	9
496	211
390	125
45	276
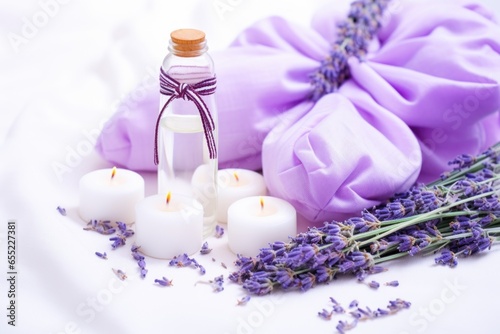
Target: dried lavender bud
324	314
243	300
164	281
217	283
381	312
374	285
219	231
353	304
258	286
120	274
397	305
223	265
204	249
141	260
392	283
463	161
202	269
102	255
118	241
338	309
182	260
137	256
105	231
100	226
344	326
61	211
121	226
447	258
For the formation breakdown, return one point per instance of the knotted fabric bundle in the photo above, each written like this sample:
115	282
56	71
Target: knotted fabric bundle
426	90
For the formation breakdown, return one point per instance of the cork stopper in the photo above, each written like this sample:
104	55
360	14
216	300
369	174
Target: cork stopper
188	42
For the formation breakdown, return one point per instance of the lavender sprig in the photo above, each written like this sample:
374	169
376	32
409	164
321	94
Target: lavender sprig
164	281
353	37
183	260
456	216
141	261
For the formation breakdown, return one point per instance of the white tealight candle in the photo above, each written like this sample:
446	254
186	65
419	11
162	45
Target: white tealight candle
255	222
110	194
235	184
169	226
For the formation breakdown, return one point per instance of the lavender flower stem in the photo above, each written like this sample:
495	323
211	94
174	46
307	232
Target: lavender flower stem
488	181
421	218
478	165
468	234
388	223
378	260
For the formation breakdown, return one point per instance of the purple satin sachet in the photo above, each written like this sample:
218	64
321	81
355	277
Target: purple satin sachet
426	91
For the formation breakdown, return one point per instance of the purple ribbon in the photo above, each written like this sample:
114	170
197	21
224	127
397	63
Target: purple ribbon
191	92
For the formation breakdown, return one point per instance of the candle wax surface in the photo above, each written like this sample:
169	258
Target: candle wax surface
103	197
252	226
167	230
235	184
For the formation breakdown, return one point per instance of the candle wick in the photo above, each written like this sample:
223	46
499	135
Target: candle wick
113	173
261	203
236	177
169	195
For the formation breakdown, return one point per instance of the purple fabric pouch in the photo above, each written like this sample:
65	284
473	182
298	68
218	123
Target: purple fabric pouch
427	90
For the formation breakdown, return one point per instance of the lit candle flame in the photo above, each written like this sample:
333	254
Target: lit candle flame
236	176
113	173
262	203
169	195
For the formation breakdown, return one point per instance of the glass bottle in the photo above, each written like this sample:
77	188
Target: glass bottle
185	163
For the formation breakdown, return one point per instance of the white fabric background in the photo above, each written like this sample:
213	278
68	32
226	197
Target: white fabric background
56	89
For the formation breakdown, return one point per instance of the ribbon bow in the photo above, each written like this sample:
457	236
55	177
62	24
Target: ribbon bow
191	92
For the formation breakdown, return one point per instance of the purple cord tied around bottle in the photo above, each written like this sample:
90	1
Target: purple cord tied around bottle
191	92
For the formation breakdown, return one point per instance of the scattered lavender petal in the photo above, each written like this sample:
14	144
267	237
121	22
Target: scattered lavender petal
217	283
219	231
374	285
392	283
102	255
204	249
164	282
61	210
324	314
353	304
243	300
120	274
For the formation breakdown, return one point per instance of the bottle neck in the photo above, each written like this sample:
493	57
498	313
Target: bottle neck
187	50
